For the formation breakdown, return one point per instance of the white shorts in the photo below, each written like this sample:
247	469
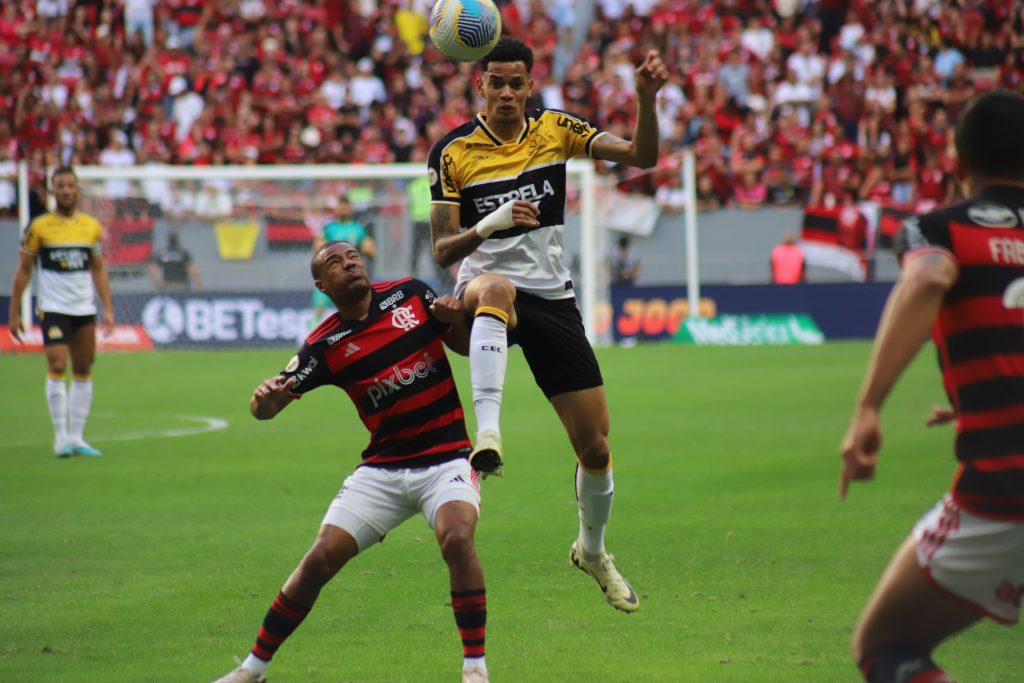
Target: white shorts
373	501
976	559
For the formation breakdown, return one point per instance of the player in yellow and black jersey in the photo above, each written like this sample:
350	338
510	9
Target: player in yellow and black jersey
66	243
498	204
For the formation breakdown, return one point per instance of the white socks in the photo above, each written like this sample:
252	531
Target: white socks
255	664
57	400
488	358
594	493
478	662
80	402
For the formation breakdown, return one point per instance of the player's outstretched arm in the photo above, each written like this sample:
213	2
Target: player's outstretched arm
22	276
451	244
450	311
271	397
642	150
907	320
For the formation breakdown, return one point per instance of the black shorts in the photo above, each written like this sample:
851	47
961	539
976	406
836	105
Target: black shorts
58	328
551	334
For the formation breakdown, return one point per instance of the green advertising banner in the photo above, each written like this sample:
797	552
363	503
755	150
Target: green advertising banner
750	330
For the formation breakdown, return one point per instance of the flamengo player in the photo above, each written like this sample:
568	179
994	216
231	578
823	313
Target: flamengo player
383	347
963	279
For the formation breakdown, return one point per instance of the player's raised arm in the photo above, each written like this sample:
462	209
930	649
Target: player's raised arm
642	150
271	397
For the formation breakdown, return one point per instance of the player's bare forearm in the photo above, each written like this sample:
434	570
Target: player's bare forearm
22	277
907	320
271	397
646	135
642	150
449	244
102	283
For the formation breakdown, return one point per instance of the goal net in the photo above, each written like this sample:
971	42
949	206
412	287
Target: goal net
219	256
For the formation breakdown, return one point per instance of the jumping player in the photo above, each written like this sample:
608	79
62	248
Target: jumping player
383	347
963	280
498	190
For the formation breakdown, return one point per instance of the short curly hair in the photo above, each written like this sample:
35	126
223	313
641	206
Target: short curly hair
509	49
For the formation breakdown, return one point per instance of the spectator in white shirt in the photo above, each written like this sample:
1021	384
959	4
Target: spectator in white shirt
365	88
791	94
335	88
116	153
8	174
551	95
669	102
51	10
138	17
757	39
852	32
671	197
188	105
880	91
734	74
808	66
213	202
157	191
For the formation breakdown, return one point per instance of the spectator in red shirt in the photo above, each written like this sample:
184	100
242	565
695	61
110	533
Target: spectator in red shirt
876	186
933	185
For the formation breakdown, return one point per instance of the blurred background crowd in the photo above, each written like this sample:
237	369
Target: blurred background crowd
784	102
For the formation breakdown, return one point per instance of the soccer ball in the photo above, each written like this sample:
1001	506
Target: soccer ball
465	30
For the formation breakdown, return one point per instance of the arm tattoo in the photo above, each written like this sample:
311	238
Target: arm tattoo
440	221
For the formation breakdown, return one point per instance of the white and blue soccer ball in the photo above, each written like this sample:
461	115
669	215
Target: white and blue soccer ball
465	30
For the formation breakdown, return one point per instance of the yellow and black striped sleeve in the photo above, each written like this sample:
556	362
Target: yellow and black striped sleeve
443	168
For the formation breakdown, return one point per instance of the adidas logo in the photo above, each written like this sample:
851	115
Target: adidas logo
457	478
350	349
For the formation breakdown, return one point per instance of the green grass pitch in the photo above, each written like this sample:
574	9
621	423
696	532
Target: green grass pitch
158	561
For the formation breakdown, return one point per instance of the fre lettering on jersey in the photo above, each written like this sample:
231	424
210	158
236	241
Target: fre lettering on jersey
1007	250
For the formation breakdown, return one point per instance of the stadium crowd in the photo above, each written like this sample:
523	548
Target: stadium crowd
829	101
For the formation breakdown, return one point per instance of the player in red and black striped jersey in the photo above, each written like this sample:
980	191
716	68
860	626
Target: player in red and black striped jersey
393	367
384	348
962	281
